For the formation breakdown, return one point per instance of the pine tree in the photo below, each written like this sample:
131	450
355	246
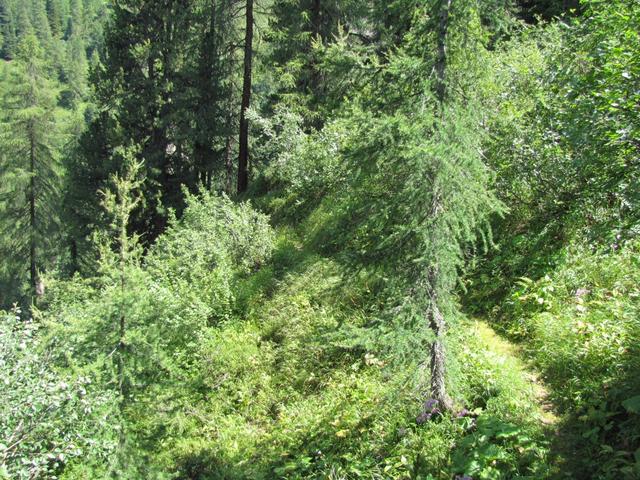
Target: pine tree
23	20
76	66
165	85
76	20
30	171
8	28
54	15
214	95
41	26
298	32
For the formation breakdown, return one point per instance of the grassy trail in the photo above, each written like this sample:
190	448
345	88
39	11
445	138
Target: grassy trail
509	354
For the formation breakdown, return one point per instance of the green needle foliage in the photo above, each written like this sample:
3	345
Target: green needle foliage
31	171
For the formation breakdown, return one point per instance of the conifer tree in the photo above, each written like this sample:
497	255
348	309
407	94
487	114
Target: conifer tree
54	15
215	95
451	213
165	84
431	189
8	28
30	171
297	33
119	204
41	26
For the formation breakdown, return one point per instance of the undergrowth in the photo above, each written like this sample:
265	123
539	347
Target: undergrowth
304	384
579	324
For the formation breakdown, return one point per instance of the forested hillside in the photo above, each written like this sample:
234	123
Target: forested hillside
309	239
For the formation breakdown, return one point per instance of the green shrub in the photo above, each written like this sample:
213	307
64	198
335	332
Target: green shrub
47	419
170	301
580	326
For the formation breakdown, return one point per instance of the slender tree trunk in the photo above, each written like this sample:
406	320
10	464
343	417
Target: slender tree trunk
32	214
315	17
441	59
122	324
316	32
203	149
228	162
438	387
243	157
73	250
436	320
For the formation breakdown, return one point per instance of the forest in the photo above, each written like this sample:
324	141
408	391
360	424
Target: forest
319	239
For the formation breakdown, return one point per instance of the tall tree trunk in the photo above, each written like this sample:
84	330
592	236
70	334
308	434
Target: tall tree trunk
73	250
316	32
436	320
203	149
243	157
32	214
315	17
441	58
228	162
438	387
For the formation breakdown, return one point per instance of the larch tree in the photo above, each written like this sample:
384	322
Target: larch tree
420	134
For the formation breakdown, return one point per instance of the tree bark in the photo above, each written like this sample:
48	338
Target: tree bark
441	58
32	214
438	387
243	156
228	162
438	390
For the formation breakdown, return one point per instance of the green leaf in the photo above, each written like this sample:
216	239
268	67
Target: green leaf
632	404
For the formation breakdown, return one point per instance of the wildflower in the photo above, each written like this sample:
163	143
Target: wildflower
424	417
430	404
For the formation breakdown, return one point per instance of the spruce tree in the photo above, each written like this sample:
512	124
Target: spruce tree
54	15
8	28
298	32
214	94
30	171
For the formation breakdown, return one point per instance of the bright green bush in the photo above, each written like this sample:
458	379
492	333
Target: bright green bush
47	418
302	167
171	303
235	228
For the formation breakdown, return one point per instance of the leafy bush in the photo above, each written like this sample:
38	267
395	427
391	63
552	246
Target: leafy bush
301	166
237	229
47	419
169	303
